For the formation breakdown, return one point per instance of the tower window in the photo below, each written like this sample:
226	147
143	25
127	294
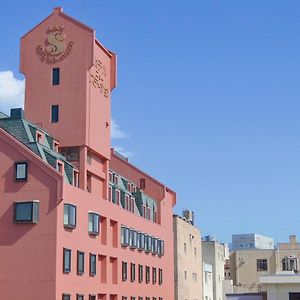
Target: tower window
54	113
55	76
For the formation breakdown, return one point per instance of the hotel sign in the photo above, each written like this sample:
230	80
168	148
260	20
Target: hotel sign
54	48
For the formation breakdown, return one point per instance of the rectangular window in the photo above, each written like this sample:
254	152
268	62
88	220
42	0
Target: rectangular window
161	248
69	215
21	170
147	274
93	259
154	245
80	263
55	76
54	113
132	272
79	297
160	276
132	238
94	221
124	236
154	275
148	243
66	297
67	261
124	270
294	296
141	273
26	212
92	297
141	241
262	265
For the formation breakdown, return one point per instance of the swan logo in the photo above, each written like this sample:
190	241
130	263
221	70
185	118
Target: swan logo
55	48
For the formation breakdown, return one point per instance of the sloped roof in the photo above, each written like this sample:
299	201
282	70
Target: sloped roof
26	133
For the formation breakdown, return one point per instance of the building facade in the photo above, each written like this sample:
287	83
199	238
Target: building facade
187	259
247	266
251	241
213	253
78	221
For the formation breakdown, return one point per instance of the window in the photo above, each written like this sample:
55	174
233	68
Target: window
294	296
184	248
92	297
70	153
140	273
154	275
26	212
92	264
69	215
55	76
124	270
141	241
132	238
79	297
161	247
132	298
54	113
60	167
21	170
148	243
132	272
154	245
75	178
80	263
160	276
147	274
110	194
290	263
124	236
262	265
117	200
94	220
66	297
67	261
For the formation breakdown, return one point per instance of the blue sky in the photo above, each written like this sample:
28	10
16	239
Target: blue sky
208	100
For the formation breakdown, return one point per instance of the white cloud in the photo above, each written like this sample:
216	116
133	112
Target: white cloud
11	91
124	152
116	131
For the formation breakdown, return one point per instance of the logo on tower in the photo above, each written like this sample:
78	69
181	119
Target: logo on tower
54	48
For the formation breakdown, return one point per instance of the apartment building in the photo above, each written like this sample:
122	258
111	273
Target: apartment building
187	258
247	266
213	253
77	220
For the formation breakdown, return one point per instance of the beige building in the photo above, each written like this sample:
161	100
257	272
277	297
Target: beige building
187	258
213	253
247	266
281	286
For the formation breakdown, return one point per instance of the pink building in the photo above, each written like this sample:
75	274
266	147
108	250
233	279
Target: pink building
77	220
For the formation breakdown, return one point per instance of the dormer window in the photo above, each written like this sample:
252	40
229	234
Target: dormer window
60	167
55	145
39	137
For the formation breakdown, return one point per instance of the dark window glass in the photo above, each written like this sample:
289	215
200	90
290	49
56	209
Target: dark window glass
92	297
92	264
67	261
54	113
124	236
262	265
21	171
94	220
294	296
153	275
140	273
147	274
132	272
79	297
124	270
66	297
55	76
160	276
161	247
80	262
26	212
69	215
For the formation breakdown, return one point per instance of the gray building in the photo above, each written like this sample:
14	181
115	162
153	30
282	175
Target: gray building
251	241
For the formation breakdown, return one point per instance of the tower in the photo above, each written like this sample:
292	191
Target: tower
69	78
